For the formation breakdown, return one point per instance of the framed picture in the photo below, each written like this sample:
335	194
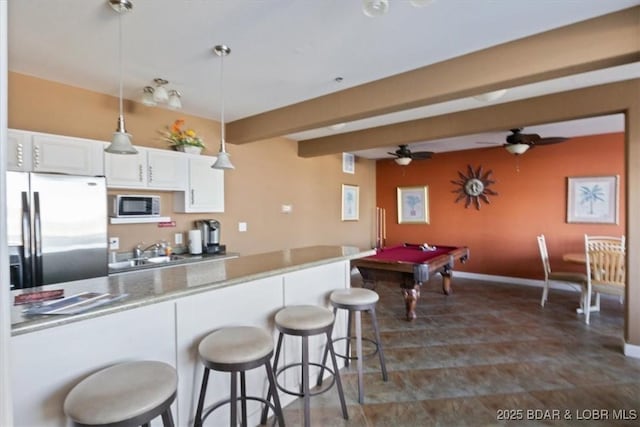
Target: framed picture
592	199
348	163
413	205
350	202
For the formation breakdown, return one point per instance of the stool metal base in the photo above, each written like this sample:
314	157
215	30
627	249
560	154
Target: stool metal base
305	392
234	369
357	310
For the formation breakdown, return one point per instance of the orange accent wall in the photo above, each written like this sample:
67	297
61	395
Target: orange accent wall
532	198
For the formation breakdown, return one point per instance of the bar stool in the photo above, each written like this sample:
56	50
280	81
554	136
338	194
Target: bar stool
237	349
357	300
305	321
124	395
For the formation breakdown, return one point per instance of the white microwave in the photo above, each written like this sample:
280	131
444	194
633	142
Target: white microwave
134	206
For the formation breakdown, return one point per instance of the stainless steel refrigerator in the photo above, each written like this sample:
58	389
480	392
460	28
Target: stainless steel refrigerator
57	228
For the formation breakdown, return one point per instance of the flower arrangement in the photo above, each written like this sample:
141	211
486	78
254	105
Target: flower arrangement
178	137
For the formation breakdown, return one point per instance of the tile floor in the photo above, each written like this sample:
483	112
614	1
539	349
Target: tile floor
489	355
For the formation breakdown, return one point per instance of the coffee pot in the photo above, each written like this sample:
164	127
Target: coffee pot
210	229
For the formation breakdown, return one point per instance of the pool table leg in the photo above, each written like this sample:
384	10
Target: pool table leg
446	280
411	296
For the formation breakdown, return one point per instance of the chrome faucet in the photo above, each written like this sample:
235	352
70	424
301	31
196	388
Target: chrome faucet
138	252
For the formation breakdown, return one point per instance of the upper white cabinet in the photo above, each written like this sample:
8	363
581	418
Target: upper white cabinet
39	152
150	168
205	189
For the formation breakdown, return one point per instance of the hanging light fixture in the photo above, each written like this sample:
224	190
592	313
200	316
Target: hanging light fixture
121	141
223	161
147	97
174	102
160	93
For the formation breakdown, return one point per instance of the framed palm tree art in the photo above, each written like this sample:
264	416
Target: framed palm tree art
593	199
413	205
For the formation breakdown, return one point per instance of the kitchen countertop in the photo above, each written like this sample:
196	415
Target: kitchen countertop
150	286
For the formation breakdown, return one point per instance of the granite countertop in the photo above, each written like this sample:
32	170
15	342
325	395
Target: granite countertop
162	284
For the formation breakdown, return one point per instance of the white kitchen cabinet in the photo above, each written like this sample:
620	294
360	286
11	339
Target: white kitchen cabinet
40	152
205	187
149	169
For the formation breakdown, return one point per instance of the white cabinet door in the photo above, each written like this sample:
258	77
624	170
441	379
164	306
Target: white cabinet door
18	151
126	170
166	170
41	152
205	187
63	154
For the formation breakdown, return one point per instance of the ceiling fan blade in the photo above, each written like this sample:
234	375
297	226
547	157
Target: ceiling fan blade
551	140
393	154
422	155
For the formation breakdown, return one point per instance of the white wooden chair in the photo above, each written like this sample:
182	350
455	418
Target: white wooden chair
576	280
605	269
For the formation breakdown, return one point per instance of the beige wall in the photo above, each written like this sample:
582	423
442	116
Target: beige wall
267	174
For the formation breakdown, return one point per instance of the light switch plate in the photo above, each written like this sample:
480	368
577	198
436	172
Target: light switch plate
242	226
177	238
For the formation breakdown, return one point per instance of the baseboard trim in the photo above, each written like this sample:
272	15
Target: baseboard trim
514	281
632	350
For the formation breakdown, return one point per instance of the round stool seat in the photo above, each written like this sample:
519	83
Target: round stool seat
121	392
304	317
240	344
354	296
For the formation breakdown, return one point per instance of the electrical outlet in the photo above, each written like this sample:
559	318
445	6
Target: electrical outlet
114	243
177	238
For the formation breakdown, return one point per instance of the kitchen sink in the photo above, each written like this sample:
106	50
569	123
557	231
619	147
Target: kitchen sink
135	263
163	259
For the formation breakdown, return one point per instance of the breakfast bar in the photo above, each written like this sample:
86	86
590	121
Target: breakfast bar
164	315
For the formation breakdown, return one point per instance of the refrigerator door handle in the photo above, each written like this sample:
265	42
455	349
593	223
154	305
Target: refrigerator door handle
27	266
37	234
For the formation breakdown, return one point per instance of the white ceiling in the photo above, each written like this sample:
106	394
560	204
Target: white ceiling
287	51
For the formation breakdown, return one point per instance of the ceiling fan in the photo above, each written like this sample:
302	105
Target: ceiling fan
518	142
404	155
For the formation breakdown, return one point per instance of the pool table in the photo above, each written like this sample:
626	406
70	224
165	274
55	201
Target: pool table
411	265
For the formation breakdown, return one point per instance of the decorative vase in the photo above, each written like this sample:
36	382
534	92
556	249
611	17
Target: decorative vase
190	149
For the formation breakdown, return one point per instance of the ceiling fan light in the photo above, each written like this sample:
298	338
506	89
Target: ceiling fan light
490	96
516	149
402	161
373	8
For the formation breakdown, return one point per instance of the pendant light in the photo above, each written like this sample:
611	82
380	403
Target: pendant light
223	161
121	141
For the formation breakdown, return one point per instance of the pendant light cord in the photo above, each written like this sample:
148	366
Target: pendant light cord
120	60
222	130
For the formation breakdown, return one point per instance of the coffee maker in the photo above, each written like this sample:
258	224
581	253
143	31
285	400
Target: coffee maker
210	230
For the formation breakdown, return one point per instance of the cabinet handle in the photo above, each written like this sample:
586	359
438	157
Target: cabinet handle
140	173
36	154
19	153
150	173
193	196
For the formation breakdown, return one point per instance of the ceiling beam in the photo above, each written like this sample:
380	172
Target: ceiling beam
602	42
579	103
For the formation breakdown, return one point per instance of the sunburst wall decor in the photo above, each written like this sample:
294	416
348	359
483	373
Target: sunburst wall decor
474	187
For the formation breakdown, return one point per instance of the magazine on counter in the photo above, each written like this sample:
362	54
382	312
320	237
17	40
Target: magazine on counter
75	304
